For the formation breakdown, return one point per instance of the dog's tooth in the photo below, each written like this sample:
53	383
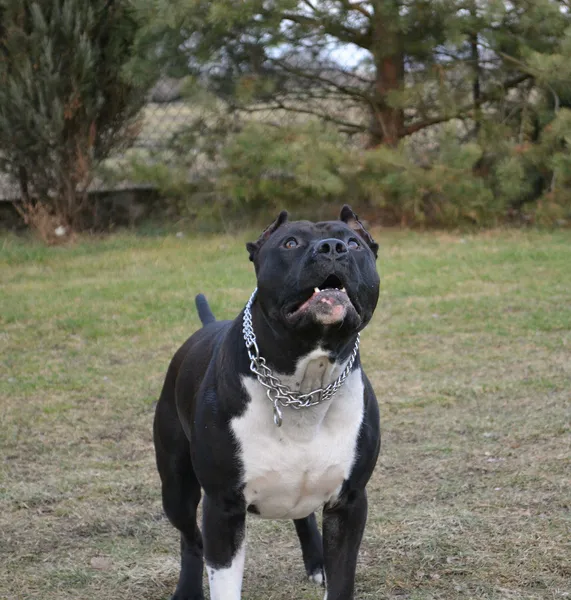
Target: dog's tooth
317	290
343	290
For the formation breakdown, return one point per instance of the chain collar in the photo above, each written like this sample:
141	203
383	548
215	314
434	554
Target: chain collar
278	393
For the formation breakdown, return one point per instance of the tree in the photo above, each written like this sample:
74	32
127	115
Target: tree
64	103
483	84
415	63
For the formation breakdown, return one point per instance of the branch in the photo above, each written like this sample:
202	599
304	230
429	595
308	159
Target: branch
320	62
350	91
464	110
311	5
358	6
333	28
279	105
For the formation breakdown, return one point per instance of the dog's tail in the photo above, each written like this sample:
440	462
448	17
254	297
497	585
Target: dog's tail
204	312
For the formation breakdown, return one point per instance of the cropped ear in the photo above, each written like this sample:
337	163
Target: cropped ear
254	247
349	217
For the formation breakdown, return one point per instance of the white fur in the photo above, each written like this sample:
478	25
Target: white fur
317	577
226	584
291	471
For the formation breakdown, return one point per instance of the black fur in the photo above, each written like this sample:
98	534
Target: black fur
204	313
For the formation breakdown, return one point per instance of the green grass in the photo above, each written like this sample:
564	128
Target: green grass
470	356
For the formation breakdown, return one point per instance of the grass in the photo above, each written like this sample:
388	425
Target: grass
470	356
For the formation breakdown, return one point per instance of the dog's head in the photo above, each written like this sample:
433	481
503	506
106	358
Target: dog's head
317	276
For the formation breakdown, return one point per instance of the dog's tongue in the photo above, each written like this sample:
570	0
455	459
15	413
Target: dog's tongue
328	306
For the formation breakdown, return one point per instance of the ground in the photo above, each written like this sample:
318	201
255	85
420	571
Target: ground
470	356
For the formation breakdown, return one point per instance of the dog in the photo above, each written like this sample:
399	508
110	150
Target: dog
271	414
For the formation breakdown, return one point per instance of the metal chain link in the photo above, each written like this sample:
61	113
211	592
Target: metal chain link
278	393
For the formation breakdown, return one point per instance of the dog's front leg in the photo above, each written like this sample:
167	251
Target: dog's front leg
343	525
224	535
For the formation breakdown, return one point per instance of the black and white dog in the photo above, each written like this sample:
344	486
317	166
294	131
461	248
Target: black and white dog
272	414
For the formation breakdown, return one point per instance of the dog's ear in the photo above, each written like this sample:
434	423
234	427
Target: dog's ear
254	247
349	217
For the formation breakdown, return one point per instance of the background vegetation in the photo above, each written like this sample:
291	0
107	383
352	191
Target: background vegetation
427	112
446	113
64	103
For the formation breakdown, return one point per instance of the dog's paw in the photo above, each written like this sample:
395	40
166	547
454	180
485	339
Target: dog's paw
317	576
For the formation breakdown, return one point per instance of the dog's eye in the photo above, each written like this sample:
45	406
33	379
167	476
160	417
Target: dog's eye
353	244
291	243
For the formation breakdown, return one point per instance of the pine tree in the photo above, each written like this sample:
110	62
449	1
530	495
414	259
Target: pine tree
64	103
484	80
416	63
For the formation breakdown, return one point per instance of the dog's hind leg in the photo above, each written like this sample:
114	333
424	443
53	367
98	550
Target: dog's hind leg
181	495
311	548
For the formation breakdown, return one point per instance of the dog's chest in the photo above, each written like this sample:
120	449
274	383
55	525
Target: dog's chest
289	472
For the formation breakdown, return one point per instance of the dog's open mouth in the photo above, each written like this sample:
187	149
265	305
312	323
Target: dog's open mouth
328	303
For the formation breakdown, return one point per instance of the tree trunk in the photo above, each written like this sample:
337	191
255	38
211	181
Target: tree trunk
387	123
65	202
475	58
23	181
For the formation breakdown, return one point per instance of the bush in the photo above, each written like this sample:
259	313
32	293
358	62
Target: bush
444	182
290	166
442	191
64	104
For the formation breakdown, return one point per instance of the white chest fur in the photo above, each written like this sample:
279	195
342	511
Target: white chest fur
291	471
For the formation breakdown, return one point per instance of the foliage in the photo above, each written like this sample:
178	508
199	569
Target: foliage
307	166
283	166
401	66
293	166
437	112
446	193
64	103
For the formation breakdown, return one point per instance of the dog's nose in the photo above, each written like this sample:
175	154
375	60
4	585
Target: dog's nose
331	247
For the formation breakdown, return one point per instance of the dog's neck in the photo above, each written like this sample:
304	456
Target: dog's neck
314	371
312	358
